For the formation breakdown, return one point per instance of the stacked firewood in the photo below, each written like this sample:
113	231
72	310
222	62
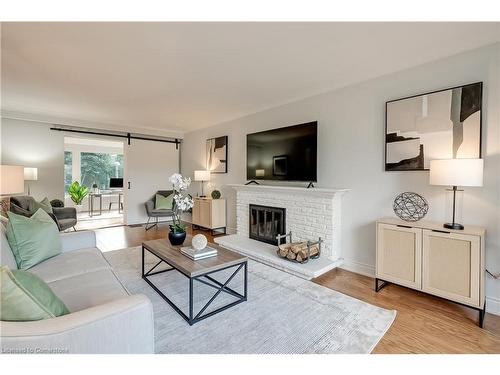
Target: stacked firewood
298	251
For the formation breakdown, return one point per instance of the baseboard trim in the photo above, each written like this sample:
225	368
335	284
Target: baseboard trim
493	305
357	267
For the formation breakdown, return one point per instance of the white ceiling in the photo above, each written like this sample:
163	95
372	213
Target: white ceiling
184	76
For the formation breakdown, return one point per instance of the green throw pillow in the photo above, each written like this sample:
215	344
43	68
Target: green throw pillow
163	203
44	204
32	239
25	297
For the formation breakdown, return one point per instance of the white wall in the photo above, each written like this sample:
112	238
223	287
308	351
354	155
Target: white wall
33	144
148	167
351	153
147	164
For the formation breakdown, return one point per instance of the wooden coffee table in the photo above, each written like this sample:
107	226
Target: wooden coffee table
199	270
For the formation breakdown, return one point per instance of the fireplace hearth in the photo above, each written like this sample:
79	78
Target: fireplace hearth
266	223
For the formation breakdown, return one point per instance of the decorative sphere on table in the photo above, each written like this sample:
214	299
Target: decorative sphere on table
199	242
410	206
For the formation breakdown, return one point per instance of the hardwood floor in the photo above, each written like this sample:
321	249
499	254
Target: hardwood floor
106	219
424	324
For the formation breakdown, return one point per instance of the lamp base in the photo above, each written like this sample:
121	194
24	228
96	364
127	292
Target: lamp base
454	226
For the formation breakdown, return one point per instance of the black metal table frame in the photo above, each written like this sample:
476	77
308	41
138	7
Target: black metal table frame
221	287
120	204
213	231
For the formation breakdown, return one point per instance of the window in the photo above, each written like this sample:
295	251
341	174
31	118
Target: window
68	170
99	168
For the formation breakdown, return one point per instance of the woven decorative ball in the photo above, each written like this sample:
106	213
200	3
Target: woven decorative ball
199	242
410	206
215	194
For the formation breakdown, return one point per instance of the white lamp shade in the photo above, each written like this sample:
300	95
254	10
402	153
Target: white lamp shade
456	172
260	172
30	174
202	175
11	179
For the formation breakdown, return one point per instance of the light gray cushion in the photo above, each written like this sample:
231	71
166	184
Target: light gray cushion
6	256
78	240
89	289
70	264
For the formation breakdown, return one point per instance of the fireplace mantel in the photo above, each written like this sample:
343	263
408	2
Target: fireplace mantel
322	192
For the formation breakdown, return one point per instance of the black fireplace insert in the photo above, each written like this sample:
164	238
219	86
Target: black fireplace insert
266	223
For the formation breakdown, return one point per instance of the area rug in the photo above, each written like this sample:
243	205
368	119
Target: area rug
284	314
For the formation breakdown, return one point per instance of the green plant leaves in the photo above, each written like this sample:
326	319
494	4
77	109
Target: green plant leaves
179	228
77	192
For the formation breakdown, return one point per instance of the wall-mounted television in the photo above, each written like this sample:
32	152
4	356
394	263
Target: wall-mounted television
283	154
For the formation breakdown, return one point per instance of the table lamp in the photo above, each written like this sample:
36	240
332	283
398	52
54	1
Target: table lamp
30	174
11	182
202	176
456	172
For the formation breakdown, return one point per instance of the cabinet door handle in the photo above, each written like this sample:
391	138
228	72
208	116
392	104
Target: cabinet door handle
440	231
403	226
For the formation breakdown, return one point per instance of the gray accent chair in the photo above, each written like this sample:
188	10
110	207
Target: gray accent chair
154	213
104	317
65	217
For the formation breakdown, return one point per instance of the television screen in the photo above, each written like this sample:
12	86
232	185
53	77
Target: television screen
116	183
286	154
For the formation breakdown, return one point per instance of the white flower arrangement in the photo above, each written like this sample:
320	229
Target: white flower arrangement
182	202
179	183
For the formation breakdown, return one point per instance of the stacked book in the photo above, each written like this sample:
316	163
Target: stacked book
194	254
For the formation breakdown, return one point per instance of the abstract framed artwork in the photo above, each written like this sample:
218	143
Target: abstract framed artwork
216	154
442	124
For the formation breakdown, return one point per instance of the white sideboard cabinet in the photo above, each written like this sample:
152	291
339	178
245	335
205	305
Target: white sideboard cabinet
427	257
210	214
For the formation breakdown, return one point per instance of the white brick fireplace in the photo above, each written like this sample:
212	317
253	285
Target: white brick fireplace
310	213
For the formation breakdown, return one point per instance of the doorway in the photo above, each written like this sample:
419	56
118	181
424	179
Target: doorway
98	165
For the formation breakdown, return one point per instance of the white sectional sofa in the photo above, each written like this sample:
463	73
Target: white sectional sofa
104	317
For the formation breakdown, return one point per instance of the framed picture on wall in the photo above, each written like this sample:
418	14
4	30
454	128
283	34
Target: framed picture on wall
216	154
442	124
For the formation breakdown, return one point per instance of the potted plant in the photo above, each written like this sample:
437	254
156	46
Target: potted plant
182	202
77	193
